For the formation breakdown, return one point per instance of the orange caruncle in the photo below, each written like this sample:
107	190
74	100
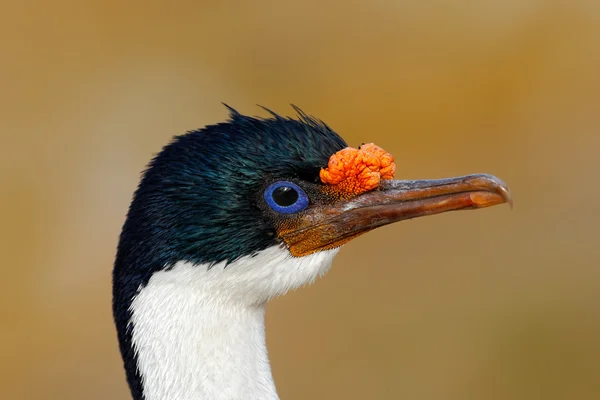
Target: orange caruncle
355	171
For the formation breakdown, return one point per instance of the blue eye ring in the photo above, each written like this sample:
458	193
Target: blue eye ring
286	197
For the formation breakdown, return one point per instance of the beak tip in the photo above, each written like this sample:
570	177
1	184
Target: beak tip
503	190
509	200
495	186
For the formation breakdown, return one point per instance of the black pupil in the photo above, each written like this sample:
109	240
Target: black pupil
285	196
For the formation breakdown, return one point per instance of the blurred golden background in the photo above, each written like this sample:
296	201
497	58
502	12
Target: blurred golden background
492	304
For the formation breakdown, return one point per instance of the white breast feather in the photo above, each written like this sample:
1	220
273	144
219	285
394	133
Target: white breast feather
199	332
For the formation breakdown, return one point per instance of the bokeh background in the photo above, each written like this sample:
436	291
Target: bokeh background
491	304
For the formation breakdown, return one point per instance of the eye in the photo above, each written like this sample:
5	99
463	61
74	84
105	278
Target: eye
286	197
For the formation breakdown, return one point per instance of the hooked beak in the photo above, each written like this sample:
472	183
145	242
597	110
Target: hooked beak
330	226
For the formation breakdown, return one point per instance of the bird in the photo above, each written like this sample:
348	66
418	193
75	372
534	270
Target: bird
232	215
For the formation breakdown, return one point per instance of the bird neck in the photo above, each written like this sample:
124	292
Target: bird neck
196	331
190	345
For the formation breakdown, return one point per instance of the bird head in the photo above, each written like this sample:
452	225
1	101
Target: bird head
258	203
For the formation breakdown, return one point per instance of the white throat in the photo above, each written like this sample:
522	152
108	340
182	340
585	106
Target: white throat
198	332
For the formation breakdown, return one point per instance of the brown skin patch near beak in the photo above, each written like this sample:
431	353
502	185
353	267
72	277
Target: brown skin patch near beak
325	227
